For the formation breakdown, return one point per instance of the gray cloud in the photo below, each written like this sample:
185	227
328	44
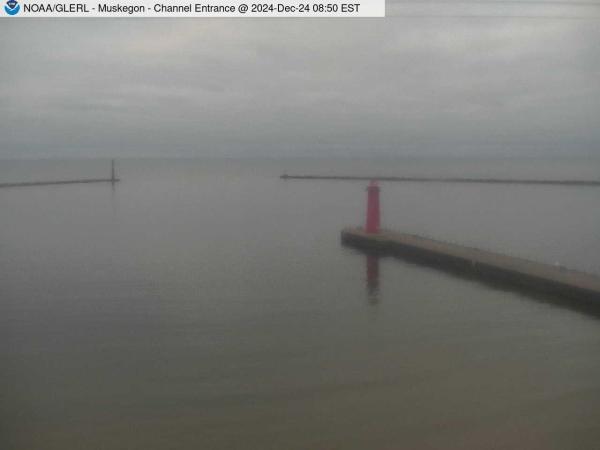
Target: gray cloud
294	87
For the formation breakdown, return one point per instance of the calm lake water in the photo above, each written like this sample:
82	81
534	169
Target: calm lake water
206	304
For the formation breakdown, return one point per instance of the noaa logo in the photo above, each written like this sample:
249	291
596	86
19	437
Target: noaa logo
12	7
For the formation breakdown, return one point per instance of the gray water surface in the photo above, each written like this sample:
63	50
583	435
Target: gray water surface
206	304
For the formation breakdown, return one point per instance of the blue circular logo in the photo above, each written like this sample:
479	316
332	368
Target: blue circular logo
12	7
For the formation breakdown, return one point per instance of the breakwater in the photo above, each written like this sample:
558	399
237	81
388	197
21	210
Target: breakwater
483	264
113	179
49	183
443	179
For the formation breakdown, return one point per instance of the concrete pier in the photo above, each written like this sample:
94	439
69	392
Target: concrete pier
483	264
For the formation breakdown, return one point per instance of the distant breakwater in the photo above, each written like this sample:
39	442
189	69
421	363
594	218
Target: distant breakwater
442	179
49	183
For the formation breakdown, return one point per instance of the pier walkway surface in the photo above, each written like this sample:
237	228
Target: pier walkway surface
556	280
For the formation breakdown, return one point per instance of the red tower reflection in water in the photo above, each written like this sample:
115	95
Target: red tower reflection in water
372	278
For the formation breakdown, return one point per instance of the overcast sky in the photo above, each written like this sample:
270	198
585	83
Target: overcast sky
306	87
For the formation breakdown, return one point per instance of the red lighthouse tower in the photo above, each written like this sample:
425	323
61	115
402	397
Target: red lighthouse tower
373	214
